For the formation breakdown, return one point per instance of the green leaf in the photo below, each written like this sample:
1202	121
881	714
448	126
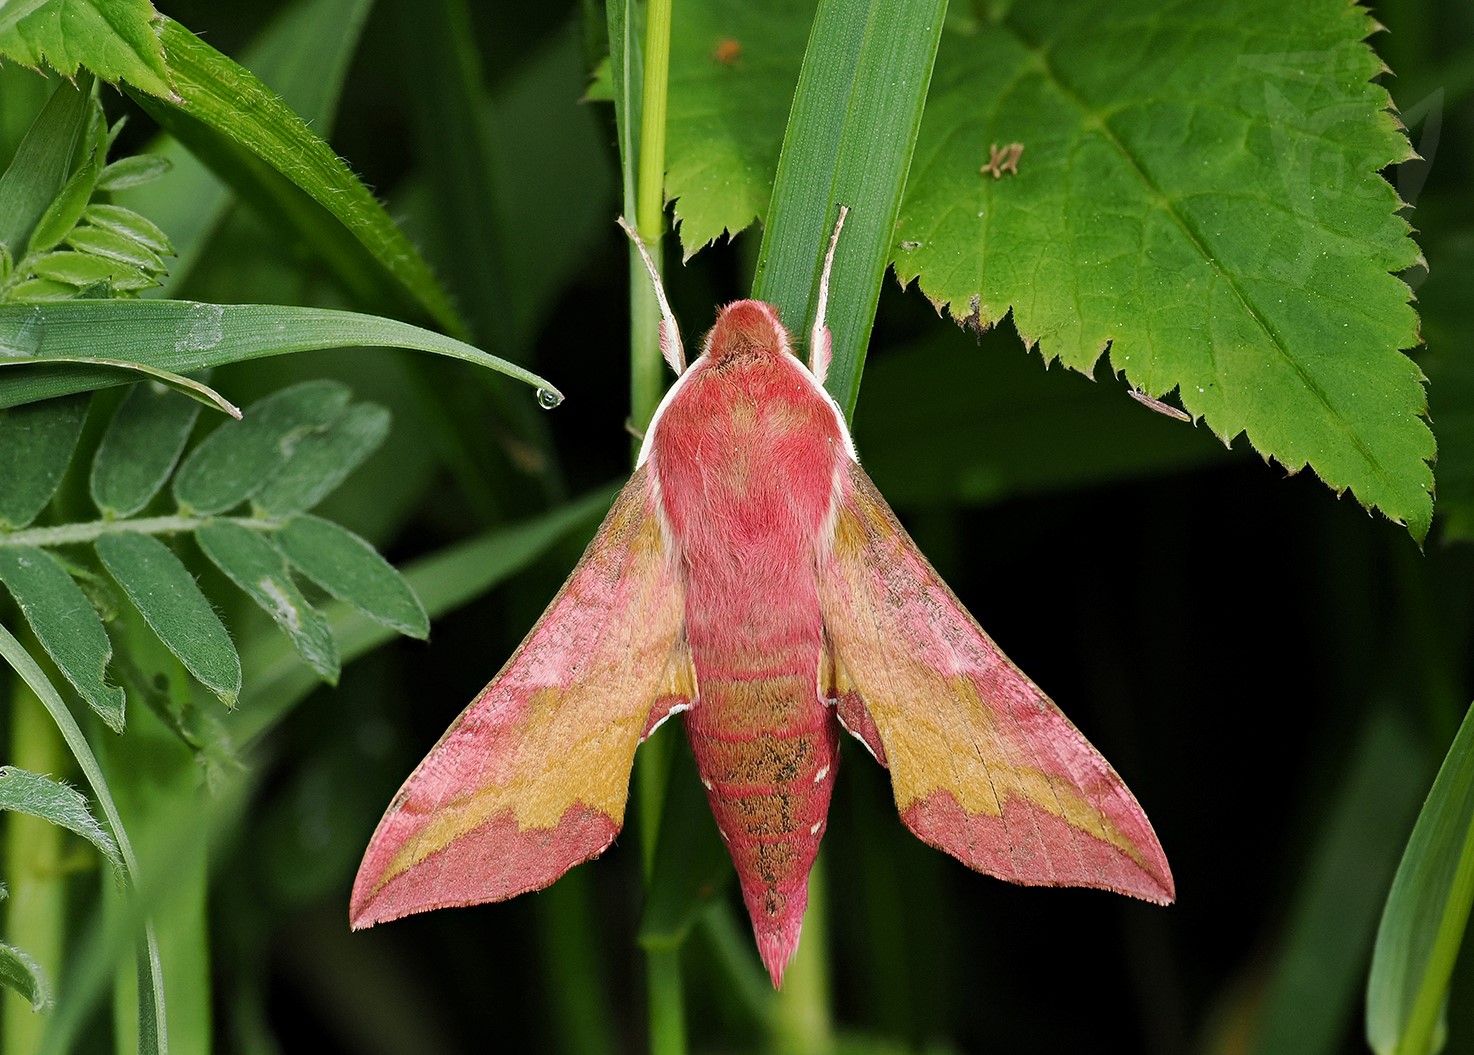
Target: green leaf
725	129
235	460
132	171
36	445
303	53
259	568
1210	210
43	161
130	225
165	594
21	973
1311	986
183	337
66	624
849	141
322	460
351	570
140	448
113	246
65	209
1423	924
84	269
444	581
243	130
187	386
53	801
115	39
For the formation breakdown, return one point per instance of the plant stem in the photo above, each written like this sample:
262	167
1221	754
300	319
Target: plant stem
647	372
801	1023
151	1003
36	911
69	534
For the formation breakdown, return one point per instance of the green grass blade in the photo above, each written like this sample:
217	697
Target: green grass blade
186	386
253	140
1427	911
849	141
182	336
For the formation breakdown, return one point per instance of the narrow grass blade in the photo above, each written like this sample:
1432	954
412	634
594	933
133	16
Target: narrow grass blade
1427	911
182	337
849	141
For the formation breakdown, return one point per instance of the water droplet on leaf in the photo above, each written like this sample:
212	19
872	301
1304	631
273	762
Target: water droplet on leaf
548	398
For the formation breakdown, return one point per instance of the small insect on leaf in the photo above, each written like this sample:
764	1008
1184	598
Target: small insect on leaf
1165	409
751	576
1002	159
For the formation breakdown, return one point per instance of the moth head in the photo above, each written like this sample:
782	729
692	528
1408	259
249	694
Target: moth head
747	329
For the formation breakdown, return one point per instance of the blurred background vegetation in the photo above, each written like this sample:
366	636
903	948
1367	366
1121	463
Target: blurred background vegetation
1276	673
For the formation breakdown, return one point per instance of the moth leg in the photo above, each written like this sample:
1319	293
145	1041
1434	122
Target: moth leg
819	339
670	334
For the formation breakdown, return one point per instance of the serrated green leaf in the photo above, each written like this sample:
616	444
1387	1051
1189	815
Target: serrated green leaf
21	973
1427	912
130	225
184	337
140	448
51	800
726	118
1211	210
165	594
239	457
260	569
352	571
36	445
42	162
322	459
243	130
115	39
132	171
65	209
82	269
66	624
110	245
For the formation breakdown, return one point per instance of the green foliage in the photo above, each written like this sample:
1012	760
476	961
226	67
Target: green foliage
1427	913
1206	195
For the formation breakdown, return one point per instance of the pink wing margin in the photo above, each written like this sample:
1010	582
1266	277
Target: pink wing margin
532	778
983	764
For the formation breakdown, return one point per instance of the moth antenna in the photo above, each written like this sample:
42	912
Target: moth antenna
670	334
820	342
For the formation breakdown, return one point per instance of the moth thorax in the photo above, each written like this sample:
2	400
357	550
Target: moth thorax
745	329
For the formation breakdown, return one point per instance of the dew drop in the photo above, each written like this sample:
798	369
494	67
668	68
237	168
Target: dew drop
548	398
